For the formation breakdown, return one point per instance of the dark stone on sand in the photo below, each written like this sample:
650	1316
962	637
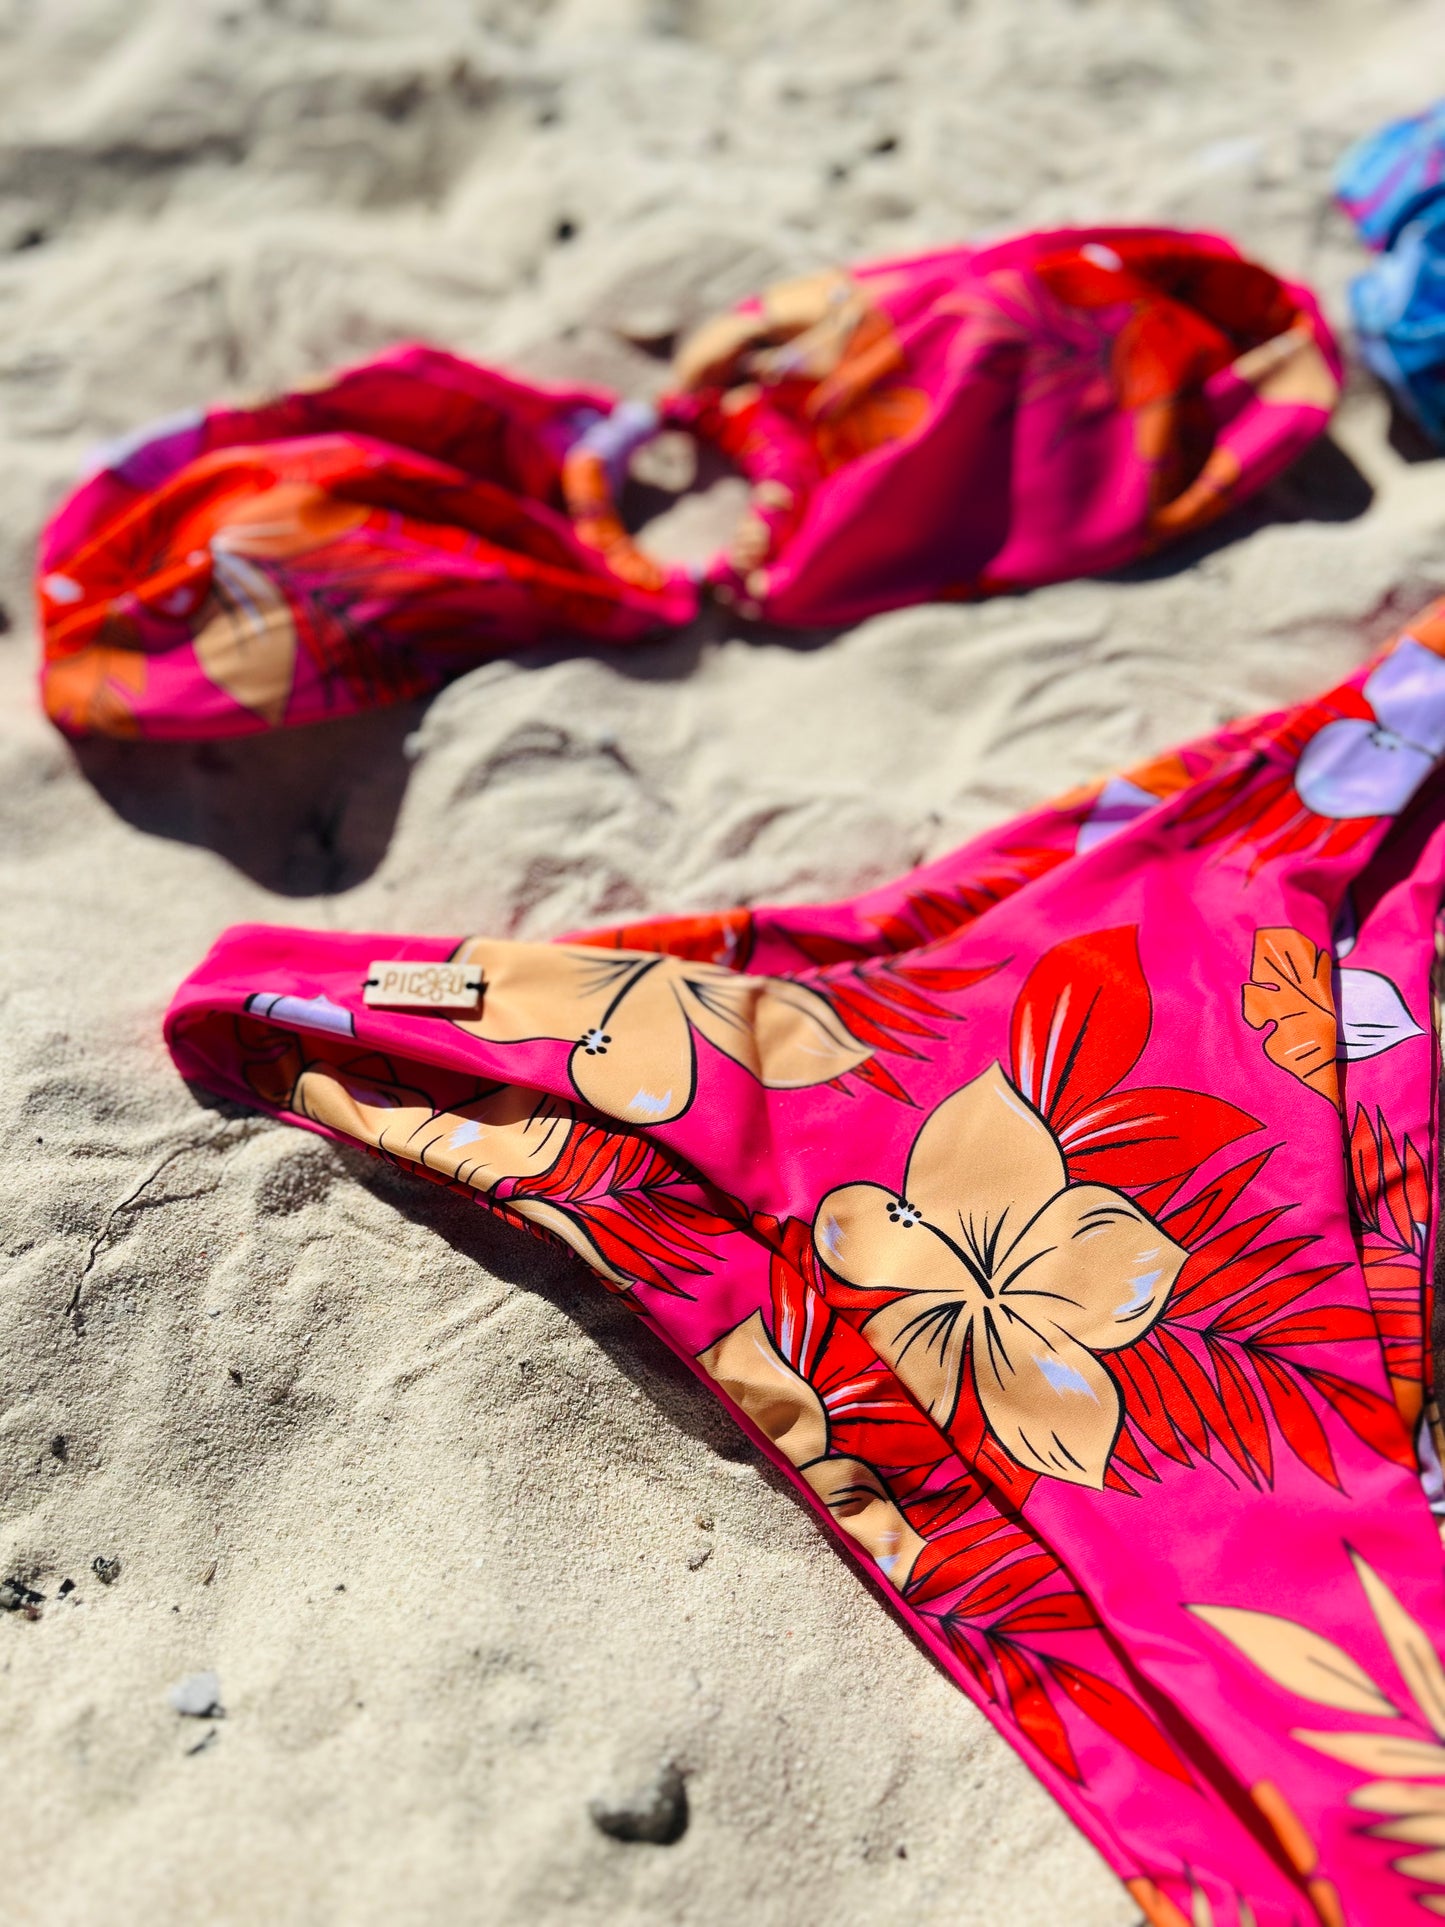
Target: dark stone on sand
657	1816
16	1596
107	1571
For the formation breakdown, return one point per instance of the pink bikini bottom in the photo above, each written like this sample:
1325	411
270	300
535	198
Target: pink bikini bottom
1059	1219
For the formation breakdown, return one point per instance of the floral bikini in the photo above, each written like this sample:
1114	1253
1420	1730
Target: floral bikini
951	426
1058	1218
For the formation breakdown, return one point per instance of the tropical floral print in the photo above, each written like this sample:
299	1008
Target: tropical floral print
1321	778
1290	997
1391	1206
1058	1219
1405	1794
349	545
1372	765
631	1213
1312	1014
979	1578
988	1254
634	1018
362	540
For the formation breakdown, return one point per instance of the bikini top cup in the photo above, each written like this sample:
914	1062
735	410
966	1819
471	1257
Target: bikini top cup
1058	1218
948	426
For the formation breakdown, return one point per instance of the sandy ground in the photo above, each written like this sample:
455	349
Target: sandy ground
466	1551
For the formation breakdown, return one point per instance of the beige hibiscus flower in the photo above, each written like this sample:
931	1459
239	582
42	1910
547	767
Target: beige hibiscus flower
988	1251
788	1411
634	1015
506	1133
247	642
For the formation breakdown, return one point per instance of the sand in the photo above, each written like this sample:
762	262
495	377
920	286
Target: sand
465	1550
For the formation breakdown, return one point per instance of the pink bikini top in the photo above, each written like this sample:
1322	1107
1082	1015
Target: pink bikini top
949	426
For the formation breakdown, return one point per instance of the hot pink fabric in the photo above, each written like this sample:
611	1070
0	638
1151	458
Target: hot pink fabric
952	425
1053	405
1058	1218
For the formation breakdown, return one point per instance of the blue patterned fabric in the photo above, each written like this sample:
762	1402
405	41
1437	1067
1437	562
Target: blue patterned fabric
1386	180
1393	186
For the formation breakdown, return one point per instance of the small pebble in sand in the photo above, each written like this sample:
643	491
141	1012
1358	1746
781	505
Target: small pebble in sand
658	1815
648	327
198	1696
17	1597
698	1558
107	1571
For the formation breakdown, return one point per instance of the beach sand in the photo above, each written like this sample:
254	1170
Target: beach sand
465	1549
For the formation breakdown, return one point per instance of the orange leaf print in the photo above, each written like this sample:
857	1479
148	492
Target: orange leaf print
1428	628
1289	989
90	691
1289	1829
1157	1908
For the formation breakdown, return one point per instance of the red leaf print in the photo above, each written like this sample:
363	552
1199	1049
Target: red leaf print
932	915
1246	1415
1371	1418
1295	1417
1269	1299
1035	1711
870	1415
1365	1158
1391	1192
1080	1023
1060	1612
1011	1482
1392	1189
1175	1371
1417	1187
1201	1395
1324	1325
1121	1717
1197	1218
871	1021
1128	1458
1141	1137
939	1510
870	1071
1144	1399
957	1561
725	937
964	1652
633	1203
1224	1265
1000	1589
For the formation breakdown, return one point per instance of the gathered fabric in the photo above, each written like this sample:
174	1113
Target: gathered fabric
949	426
1389	178
1059	1219
1392	184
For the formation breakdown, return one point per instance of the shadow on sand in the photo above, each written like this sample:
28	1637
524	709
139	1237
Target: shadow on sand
309	812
